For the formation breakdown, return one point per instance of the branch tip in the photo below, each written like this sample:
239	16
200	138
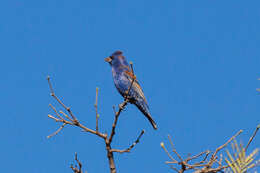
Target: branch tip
72	120
252	137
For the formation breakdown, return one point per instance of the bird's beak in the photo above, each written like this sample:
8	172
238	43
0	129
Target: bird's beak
108	59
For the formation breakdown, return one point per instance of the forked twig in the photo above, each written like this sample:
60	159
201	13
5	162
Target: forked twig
72	120
78	167
213	157
173	148
198	155
204	165
60	102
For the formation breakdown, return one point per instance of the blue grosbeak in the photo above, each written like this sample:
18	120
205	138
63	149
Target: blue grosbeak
125	79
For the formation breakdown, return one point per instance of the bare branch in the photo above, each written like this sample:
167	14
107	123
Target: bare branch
60	102
65	115
55	133
173	148
121	107
175	169
198	155
52	117
222	146
252	137
169	155
132	82
203	160
57	114
132	146
73	121
78	167
96	107
204	165
137	140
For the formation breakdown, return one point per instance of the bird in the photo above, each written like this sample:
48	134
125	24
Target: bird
124	79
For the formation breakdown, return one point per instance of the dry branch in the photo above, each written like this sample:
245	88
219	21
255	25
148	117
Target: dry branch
61	117
252	137
96	107
132	146
206	164
78	166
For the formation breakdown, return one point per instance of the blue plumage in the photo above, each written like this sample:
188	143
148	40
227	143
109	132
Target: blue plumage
123	78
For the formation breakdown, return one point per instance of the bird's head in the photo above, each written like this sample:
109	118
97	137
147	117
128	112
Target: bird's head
116	58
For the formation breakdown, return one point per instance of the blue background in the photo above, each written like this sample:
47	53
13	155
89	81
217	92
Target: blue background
197	61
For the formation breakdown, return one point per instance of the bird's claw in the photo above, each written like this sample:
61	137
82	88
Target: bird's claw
121	106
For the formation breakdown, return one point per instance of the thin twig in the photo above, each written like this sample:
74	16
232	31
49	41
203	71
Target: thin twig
121	107
132	82
76	169
65	115
202	166
60	102
54	109
252	137
74	122
114	109
96	107
203	160
169	155
55	133
52	117
137	140
132	146
198	155
175	169
222	146
173	148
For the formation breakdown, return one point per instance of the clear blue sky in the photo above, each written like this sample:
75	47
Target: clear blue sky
197	61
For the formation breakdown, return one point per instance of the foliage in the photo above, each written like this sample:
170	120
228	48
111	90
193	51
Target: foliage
238	161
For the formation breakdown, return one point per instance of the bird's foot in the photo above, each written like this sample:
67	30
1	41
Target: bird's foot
121	106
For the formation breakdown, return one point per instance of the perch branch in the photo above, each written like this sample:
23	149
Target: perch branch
121	107
132	82
73	121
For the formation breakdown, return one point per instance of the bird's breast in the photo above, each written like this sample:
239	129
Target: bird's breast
121	83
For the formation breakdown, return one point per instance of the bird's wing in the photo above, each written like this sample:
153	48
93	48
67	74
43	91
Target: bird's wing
136	86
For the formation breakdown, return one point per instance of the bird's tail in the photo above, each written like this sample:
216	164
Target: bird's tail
151	121
144	109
